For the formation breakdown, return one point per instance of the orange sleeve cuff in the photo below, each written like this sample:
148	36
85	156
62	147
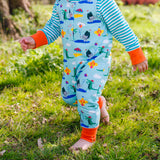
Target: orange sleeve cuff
89	134
137	56
40	39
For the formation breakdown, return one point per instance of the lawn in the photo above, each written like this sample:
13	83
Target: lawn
31	107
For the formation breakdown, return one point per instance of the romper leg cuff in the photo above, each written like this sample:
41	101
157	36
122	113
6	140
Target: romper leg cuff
100	102
89	134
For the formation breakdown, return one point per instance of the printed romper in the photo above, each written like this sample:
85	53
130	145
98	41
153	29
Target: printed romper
87	42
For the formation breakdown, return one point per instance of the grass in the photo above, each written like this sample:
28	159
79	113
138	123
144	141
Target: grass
31	106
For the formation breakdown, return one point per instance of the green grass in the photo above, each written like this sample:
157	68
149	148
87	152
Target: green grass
31	106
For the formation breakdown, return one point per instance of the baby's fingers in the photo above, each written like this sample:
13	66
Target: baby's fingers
134	67
21	40
146	64
24	46
143	67
140	67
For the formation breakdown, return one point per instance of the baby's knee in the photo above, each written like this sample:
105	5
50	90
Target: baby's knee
69	96
71	101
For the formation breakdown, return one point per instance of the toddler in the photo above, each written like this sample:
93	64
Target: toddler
86	28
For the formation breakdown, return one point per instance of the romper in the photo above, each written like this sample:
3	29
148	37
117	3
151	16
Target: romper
86	46
86	30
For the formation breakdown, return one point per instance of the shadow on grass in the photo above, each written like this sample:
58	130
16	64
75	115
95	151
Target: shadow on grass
21	73
35	63
8	81
55	139
28	83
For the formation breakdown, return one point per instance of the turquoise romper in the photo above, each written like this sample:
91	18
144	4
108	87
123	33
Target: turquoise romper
87	43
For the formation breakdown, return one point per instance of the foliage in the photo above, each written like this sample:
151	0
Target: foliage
36	62
31	106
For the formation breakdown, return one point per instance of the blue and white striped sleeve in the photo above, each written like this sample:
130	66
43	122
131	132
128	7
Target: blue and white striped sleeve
52	27
117	25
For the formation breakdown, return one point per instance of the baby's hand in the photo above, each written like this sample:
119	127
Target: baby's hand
141	66
27	43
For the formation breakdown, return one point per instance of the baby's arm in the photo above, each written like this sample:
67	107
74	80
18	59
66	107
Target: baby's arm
44	36
122	32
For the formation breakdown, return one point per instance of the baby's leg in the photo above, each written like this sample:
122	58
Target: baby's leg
88	92
85	93
83	143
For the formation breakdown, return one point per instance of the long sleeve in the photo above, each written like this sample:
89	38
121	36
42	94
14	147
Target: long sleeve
120	29
50	32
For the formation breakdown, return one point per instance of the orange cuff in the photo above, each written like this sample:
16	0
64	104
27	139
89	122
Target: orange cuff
89	134
100	102
137	56
40	39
